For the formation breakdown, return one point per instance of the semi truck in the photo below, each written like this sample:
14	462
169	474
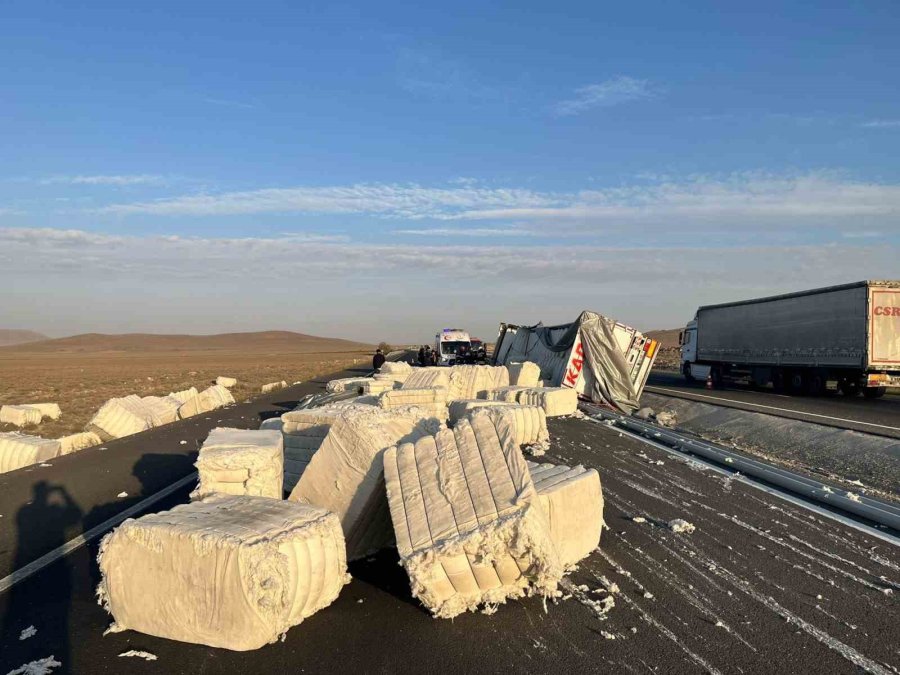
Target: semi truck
844	338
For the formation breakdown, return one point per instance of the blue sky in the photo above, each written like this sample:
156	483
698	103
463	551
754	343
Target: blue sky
382	170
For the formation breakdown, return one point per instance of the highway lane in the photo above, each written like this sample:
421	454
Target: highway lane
761	586
874	416
77	492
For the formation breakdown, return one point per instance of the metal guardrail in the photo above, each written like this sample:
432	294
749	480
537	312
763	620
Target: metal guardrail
874	510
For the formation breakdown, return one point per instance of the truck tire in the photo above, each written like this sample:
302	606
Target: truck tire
686	371
874	392
715	374
815	384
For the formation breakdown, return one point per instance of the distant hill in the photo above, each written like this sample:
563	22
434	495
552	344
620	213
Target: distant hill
267	341
9	336
667	337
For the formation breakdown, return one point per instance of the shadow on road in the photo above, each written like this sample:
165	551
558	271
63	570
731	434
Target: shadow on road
54	509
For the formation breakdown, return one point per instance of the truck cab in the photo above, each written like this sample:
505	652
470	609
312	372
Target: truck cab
452	346
687	341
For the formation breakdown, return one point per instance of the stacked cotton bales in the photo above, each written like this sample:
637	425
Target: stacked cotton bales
468	382
468	535
345	472
241	462
227	382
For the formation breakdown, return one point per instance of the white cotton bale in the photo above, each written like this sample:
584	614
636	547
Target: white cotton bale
120	417
226	382
342	449
375	386
76	442
209	399
468	382
468	523
555	401
49	410
273	386
572	499
234	572
20	415
398	370
433	400
18	450
524	374
273	423
508	394
184	395
162	409
241	462
345	384
426	378
528	422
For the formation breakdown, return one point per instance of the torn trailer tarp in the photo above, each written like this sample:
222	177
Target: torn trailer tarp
600	358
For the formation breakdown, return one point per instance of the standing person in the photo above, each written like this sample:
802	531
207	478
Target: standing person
422	355
377	360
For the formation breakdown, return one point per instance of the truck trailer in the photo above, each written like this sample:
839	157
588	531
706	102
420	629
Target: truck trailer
843	338
602	359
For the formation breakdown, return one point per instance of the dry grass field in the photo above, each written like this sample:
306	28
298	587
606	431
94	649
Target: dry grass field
81	373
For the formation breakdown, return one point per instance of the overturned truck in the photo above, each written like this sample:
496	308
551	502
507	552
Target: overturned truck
601	359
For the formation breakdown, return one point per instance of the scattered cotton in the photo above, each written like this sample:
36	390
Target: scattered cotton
679	525
147	656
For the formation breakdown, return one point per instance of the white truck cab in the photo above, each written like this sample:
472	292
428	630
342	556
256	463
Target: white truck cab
688	342
450	342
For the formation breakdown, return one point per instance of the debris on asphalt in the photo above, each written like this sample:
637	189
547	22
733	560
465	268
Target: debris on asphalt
31	631
122	495
40	667
680	525
136	653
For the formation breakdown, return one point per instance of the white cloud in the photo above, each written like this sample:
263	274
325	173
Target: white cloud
398	201
176	284
614	91
469	232
882	124
118	180
738	203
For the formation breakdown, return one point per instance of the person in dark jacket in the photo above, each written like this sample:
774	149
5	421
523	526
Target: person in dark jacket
422	355
377	360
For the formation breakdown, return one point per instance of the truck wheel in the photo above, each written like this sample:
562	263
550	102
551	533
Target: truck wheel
686	370
797	382
715	373
874	392
815	384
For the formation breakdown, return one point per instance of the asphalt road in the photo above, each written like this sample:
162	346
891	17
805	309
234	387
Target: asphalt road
761	586
41	507
875	416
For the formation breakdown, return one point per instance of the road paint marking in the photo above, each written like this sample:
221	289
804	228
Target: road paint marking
748	480
771	407
74	544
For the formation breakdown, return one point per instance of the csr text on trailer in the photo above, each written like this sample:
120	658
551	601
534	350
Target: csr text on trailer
841	337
